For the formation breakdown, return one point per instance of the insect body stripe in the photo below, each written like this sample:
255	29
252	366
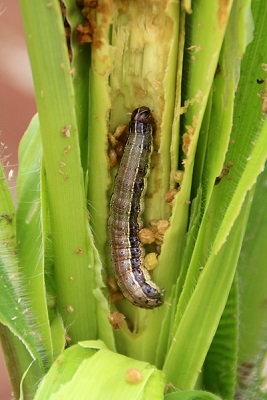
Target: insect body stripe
125	209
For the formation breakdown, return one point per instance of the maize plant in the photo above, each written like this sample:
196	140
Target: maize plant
199	69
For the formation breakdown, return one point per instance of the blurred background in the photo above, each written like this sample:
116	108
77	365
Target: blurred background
17	106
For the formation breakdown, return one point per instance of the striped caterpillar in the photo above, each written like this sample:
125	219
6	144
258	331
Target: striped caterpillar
125	209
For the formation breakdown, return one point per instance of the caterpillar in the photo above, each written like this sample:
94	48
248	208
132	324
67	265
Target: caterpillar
126	207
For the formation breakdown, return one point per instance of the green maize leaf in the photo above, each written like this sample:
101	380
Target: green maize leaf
252	270
77	264
18	330
81	60
203	312
199	78
175	141
191	395
29	226
218	137
89	370
58	335
200	163
73	247
248	86
221	362
23	371
51	383
252	293
248	155
214	135
199	85
92	114
15	306
99	106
